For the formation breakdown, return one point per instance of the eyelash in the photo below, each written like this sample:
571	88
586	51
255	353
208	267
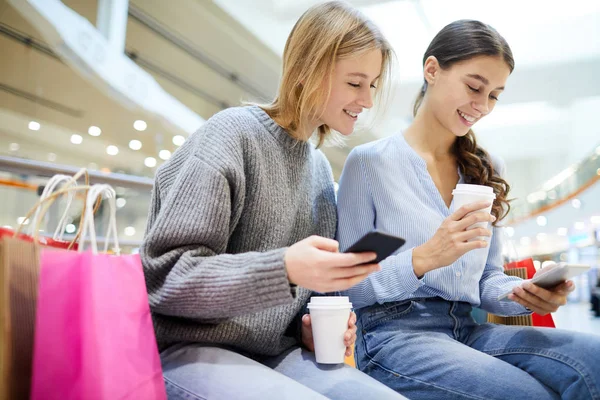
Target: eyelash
477	91
355	85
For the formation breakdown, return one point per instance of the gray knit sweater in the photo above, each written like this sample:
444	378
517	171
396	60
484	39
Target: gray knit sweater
224	209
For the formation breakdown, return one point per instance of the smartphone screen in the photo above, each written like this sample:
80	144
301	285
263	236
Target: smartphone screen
383	244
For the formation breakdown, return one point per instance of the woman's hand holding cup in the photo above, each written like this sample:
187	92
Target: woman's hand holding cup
455	237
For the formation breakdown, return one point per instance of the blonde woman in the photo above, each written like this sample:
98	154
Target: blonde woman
241	225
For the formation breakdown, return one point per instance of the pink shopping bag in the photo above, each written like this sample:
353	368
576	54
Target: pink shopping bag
94	337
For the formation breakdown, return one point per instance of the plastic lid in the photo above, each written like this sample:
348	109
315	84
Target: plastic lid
462	187
330	302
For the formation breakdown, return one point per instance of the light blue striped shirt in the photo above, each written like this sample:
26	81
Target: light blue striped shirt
385	185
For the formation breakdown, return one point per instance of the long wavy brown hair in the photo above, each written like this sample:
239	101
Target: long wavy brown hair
460	41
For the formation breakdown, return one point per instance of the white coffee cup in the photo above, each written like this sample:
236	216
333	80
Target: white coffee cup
329	316
467	194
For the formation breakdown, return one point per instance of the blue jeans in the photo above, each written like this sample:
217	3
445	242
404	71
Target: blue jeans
194	371
433	349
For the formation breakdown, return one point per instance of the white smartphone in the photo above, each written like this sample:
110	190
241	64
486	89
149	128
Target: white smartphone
552	275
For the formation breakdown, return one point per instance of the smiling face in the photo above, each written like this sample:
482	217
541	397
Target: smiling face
461	95
353	83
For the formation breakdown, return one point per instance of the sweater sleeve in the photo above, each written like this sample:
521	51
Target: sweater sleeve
188	273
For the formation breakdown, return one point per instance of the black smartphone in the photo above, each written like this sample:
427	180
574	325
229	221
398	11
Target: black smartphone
381	243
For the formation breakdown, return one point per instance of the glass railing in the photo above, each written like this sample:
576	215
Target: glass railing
562	188
22	182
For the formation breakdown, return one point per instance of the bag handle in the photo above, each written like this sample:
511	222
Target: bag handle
51	186
47	199
43	205
97	192
88	216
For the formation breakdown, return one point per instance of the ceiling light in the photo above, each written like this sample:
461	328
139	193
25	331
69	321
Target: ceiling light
121	202
164	154
34	126
135	145
562	231
76	139
94	131
541	220
129	231
14	147
70	228
510	231
595	219
51	157
140	125
150	162
525	241
576	203
580	225
112	150
178	140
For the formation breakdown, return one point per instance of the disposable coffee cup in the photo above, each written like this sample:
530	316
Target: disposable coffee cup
465	194
329	317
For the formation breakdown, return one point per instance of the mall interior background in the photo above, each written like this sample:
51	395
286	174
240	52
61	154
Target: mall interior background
117	86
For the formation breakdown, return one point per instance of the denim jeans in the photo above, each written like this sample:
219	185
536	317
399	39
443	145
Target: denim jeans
433	349
194	371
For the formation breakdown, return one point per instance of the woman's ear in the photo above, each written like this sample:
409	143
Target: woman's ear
431	70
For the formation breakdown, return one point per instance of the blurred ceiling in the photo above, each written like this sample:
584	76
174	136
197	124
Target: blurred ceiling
195	51
212	54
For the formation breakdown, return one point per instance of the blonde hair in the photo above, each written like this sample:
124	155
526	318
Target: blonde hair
323	34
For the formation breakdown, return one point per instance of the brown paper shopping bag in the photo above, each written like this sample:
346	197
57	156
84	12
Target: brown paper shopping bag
19	272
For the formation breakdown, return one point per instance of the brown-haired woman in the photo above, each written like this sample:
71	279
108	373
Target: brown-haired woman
415	330
242	222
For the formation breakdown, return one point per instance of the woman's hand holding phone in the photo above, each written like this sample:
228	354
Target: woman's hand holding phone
316	264
539	300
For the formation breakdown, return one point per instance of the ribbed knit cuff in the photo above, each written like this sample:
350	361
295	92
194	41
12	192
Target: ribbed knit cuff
271	280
